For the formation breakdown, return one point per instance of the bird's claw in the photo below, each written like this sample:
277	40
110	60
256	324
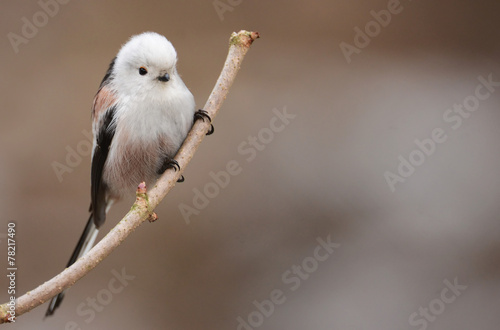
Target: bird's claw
202	114
169	163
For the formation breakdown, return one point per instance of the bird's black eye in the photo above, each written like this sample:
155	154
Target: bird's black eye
143	71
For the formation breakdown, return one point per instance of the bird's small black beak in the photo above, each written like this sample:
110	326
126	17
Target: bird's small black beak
165	77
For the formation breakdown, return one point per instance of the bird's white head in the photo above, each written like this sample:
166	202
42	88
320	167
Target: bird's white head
144	65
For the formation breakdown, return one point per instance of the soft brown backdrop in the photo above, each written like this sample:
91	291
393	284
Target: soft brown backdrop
322	175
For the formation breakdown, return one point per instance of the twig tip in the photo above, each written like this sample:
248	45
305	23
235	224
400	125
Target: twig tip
244	38
141	189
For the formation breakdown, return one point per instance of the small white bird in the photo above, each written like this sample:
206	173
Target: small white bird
141	115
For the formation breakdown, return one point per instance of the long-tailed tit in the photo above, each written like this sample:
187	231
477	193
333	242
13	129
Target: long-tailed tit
141	114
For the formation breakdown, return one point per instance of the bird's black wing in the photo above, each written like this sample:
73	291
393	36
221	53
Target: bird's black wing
98	188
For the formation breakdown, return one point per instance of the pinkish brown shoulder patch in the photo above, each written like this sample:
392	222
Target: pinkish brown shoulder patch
104	99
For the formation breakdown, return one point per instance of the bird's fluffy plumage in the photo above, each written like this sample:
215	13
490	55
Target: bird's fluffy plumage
141	114
152	117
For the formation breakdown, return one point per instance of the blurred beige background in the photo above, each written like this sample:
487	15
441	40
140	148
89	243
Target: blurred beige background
321	176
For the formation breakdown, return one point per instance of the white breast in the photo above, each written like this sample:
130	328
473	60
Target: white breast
147	130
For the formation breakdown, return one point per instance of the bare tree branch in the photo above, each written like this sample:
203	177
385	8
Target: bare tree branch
145	202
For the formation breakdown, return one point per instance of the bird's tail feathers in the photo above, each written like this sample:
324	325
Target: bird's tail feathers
84	245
